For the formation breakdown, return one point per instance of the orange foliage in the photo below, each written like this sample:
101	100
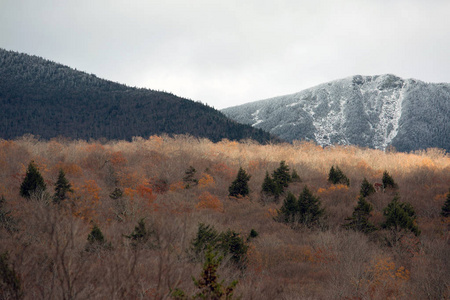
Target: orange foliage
118	159
146	192
208	201
385	278
333	188
70	169
206	181
254	165
176	186
86	200
221	169
271	213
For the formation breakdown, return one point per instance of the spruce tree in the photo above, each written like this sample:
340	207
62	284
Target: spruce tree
367	188
33	182
309	207
359	221
189	178
445	212
239	187
336	176
208	284
269	187
96	240
400	218
295	177
281	176
388	181
288	213
62	188
140	235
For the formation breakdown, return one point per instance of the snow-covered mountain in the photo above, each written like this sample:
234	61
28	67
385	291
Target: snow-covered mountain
369	111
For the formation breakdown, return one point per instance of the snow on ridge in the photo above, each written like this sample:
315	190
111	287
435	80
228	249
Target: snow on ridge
387	128
256	118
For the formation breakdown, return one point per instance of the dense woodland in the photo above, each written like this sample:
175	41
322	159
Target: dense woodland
160	218
44	98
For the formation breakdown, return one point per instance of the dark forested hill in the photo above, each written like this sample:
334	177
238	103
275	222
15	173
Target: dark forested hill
44	98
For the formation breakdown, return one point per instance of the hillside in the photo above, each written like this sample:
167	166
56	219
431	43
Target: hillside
369	111
47	99
148	205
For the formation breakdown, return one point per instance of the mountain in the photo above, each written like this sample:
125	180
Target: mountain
369	111
40	97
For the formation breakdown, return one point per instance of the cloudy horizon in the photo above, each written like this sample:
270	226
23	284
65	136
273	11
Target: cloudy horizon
229	53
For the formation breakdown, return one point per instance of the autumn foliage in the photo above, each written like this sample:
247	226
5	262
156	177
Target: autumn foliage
115	185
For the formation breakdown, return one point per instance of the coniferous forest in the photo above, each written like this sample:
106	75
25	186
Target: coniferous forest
178	217
47	99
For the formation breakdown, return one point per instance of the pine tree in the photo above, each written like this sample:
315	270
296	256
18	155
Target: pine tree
289	210
96	240
281	176
359	221
33	182
62	188
269	187
367	188
140	234
209	286
309	207
336	176
239	187
388	181
400	218
206	235
189	179
445	212
295	177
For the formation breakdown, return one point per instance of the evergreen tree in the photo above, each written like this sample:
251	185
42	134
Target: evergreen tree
232	243
140	234
62	188
269	187
33	182
295	177
206	235
359	221
209	286
289	210
281	176
400	218
309	208
336	176
96	240
227	243
239	187
388	181
116	194
189	178
367	188
445	212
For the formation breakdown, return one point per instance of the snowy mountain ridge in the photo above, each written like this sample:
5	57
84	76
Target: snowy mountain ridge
369	111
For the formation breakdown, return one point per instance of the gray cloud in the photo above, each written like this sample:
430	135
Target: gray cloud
226	53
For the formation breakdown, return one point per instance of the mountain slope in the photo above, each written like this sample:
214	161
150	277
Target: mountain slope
44	98
369	111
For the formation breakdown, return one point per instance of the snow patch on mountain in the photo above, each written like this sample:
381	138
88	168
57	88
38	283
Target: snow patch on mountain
370	111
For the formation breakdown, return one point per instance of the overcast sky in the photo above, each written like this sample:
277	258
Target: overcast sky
226	53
